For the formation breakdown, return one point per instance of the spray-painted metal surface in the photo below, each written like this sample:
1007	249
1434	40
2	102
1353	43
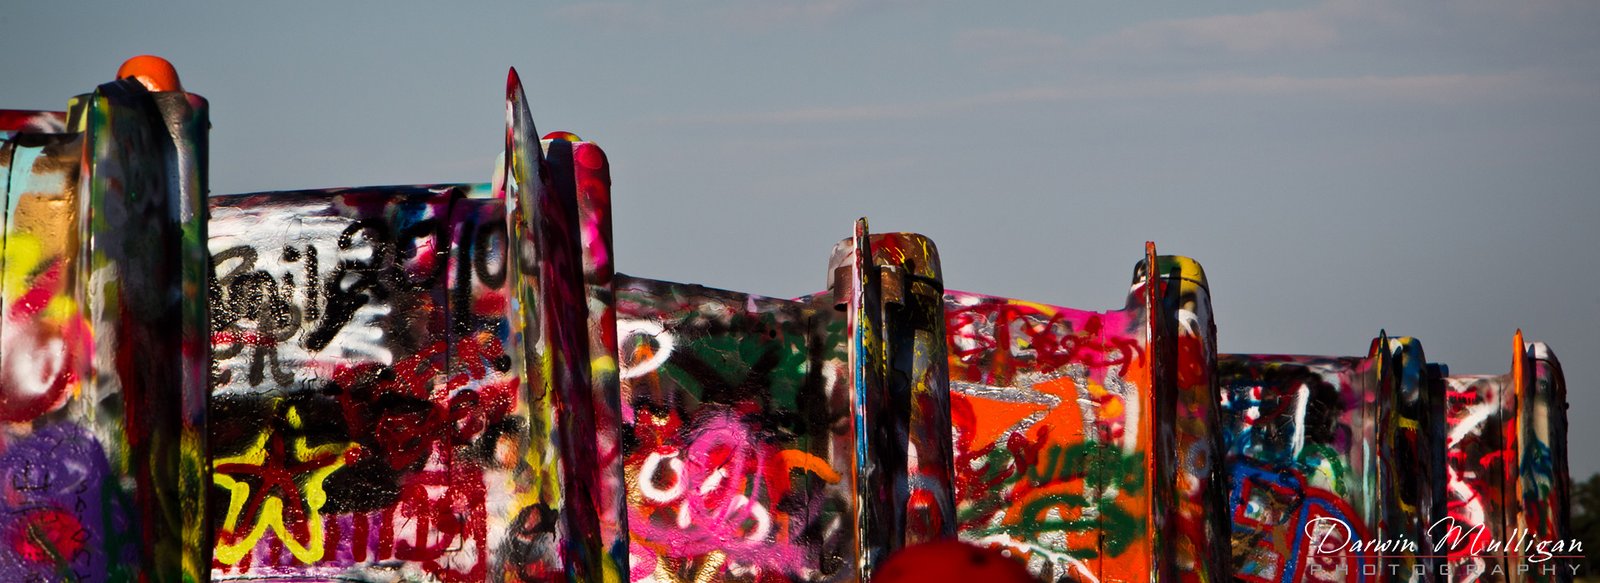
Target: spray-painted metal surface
1482	413
1411	454
452	383
778	440
336	438
1052	435
890	286
1195	529
402	377
915	417
1082	439
575	409
1330	452
15	121
1508	488
1542	454
738	411
1302	437
102	353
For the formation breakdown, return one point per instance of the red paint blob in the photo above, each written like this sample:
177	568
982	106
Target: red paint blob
589	156
48	535
950	560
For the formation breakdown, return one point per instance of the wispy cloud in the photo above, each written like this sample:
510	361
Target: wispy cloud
722	14
609	13
1270	31
770	13
1005	47
1462	30
1423	89
1215	39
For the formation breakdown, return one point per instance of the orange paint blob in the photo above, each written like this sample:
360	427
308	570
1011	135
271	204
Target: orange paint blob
154	72
991	420
950	560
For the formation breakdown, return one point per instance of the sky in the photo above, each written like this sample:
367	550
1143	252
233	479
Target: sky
1426	168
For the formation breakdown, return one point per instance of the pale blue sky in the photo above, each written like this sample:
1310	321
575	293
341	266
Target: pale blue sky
1432	168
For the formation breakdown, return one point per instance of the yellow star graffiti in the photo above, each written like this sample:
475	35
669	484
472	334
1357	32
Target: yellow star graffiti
265	460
